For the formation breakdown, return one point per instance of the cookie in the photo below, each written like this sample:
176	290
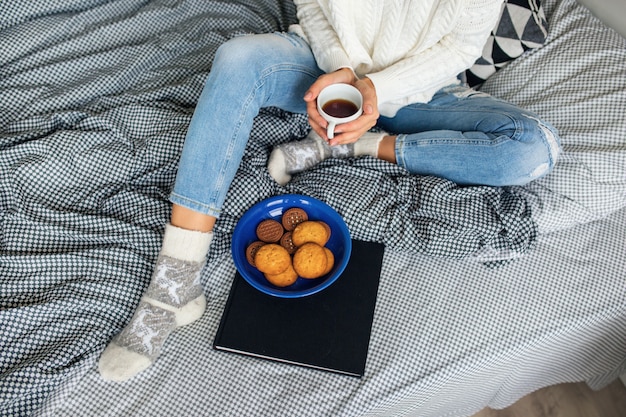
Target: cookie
330	260
283	279
309	231
293	217
287	242
269	230
309	261
272	259
252	249
327	227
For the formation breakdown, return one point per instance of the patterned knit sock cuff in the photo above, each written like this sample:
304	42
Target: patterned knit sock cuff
186	245
368	144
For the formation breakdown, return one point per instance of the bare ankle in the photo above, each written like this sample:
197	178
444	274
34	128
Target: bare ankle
387	149
191	220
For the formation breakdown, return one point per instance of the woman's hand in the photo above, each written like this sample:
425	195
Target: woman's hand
347	132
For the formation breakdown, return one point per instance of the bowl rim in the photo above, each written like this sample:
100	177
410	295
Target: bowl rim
283	201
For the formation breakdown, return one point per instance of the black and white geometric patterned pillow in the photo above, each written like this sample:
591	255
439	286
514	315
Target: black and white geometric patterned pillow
522	26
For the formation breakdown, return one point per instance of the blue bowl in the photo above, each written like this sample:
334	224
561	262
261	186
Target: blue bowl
245	233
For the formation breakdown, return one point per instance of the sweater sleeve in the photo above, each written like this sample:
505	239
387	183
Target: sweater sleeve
321	36
433	67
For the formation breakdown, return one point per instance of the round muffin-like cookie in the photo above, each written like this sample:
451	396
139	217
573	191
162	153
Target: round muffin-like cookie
293	217
252	249
283	279
330	260
272	259
310	260
309	231
287	243
269	230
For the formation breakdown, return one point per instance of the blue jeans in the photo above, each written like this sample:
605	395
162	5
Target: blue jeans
470	137
467	137
248	73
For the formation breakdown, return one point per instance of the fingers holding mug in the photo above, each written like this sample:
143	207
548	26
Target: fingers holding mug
350	132
338	104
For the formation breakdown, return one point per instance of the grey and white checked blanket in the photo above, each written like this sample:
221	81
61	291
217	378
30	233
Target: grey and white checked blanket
95	99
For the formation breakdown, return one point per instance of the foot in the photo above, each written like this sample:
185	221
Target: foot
140	343
174	298
293	157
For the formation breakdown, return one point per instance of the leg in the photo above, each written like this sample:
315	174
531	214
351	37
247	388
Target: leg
248	73
473	138
462	135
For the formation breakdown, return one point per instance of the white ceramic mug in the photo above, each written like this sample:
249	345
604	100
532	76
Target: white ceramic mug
339	103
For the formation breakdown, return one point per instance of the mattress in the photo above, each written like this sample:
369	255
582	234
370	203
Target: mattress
486	293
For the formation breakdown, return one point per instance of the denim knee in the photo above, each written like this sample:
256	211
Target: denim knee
540	145
236	54
276	68
259	52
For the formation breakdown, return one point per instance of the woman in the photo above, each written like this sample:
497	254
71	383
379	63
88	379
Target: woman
404	57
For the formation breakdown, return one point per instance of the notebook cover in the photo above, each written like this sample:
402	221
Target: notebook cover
329	330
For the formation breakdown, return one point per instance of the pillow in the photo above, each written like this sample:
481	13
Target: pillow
522	26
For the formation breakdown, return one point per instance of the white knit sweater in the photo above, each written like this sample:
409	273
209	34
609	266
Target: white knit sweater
408	48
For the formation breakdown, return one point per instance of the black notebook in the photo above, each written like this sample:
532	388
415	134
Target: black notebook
329	330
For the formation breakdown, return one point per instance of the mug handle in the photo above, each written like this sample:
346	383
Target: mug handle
330	130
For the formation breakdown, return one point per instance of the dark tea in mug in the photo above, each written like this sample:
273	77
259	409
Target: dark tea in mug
340	108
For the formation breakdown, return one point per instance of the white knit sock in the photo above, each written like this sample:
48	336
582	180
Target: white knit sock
368	144
175	297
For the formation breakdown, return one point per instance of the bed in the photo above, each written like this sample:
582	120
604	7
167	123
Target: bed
486	294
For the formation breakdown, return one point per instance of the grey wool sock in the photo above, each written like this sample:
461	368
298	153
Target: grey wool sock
297	156
174	298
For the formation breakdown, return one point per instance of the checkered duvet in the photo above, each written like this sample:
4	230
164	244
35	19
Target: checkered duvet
96	98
